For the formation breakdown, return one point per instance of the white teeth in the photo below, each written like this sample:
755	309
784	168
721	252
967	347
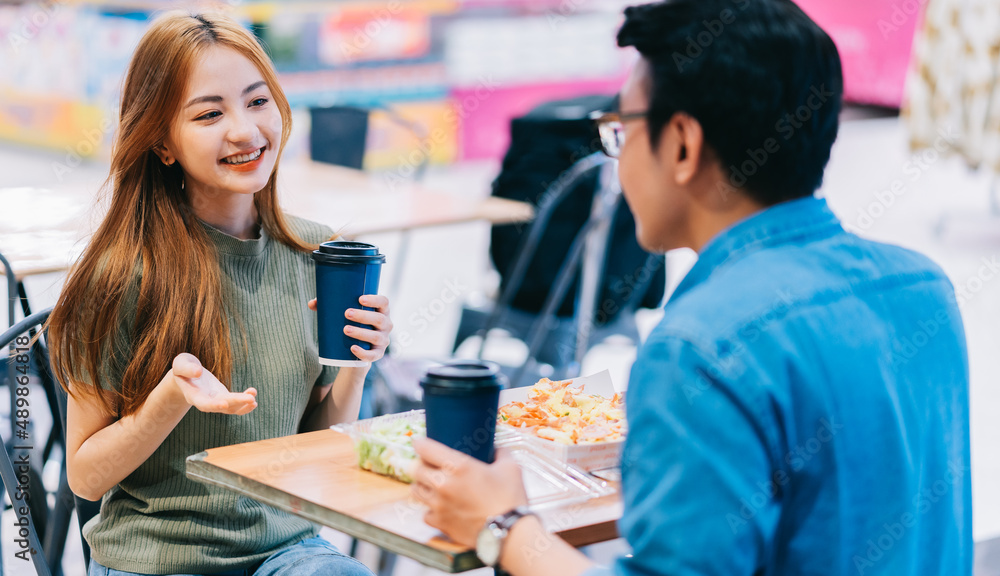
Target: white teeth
243	158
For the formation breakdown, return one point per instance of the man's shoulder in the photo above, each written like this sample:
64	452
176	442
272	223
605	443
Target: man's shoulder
895	260
309	231
839	259
769	284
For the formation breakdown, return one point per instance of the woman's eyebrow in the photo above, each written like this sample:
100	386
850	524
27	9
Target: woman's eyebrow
246	91
253	87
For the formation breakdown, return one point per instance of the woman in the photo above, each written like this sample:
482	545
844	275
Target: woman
196	291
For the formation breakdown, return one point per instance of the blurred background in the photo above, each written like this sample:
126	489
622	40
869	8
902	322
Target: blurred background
429	92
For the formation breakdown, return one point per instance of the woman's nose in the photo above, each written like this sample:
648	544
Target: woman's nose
242	130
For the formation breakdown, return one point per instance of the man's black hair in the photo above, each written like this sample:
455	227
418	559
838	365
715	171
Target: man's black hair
762	79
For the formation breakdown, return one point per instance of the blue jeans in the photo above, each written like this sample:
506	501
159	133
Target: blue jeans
311	557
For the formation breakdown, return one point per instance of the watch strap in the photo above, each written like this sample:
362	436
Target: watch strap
501	525
507	520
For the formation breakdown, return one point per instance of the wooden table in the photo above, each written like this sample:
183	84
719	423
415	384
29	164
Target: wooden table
357	203
44	230
315	475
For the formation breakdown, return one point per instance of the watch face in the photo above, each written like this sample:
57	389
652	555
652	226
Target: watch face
488	544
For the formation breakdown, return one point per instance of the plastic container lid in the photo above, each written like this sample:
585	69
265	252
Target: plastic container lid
464	376
347	252
548	482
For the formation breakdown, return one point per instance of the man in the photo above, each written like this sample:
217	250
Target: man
802	408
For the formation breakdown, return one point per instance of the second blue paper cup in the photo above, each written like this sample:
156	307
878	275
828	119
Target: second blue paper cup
460	402
345	271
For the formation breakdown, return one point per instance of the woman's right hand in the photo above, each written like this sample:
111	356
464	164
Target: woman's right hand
203	390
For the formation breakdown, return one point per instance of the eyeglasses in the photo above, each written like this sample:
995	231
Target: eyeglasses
611	127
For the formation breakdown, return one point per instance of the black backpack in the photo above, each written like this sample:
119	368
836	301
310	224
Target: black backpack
545	143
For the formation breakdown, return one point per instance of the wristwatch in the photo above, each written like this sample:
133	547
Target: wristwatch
489	543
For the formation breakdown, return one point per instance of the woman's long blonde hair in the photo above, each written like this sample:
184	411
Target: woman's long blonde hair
151	228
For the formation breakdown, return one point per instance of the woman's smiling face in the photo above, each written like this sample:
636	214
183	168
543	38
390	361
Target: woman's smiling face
227	134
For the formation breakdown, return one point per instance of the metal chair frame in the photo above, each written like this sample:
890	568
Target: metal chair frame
56	525
587	254
15	482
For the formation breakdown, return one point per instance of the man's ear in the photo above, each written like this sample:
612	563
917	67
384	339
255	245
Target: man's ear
164	154
681	145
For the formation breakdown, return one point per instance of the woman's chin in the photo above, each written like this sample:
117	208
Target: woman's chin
245	183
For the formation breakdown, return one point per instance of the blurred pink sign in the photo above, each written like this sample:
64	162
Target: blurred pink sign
874	38
485	113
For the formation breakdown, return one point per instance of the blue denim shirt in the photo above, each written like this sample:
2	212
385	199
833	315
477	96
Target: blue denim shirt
801	409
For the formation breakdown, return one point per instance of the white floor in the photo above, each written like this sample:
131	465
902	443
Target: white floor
942	210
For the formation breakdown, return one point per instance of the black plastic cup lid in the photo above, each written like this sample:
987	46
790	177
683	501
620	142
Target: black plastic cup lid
347	252
464	376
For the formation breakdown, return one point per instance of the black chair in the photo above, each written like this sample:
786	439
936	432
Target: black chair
16	292
53	523
339	135
561	342
577	274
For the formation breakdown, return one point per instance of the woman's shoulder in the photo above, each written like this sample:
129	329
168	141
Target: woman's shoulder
309	231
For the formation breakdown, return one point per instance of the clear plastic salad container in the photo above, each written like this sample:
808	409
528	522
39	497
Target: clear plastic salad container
384	445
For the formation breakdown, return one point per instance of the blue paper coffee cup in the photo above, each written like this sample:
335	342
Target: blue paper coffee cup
345	271
460	403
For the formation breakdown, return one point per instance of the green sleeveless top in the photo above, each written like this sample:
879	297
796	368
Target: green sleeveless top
157	521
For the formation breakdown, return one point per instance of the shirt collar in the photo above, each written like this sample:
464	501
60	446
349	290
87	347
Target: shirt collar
784	223
227	244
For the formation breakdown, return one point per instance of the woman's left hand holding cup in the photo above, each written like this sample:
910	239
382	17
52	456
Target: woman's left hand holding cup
377	319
